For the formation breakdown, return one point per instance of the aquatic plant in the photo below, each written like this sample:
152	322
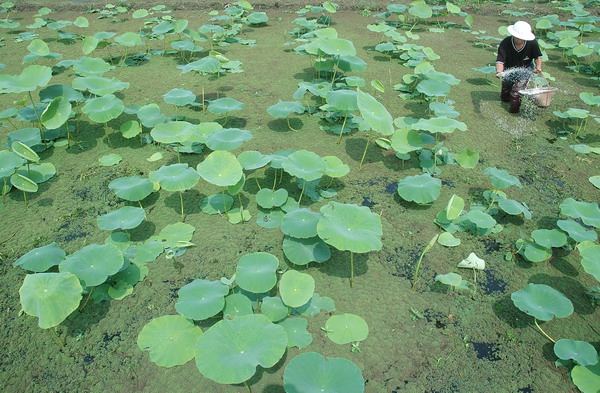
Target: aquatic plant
375	115
176	177
284	108
421	189
346	328
127	217
296	288
40	259
103	109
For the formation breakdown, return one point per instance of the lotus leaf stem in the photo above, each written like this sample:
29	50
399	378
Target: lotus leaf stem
334	71
247	387
38	117
181	200
543	332
302	193
290	126
58	340
12	124
87	299
224	205
427	248
203	102
140	203
330	182
351	269
25	198
258	184
342	130
364	154
4	191
28	170
106	134
275	179
241	204
280	176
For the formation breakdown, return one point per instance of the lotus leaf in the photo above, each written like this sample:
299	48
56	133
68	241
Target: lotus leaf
580	351
514	208
420	188
350	227
179	97
8	162
129	39
237	305
201	299
91	66
214	204
155	157
131	188
174	235
257	18
220	168
39	173
127	217
98	85
141	13
351	64
172	132
81	21
501	178
542	302
444	110
103	109
274	308
595	180
23	183
38	47
31	78
346	328
225	105
420	9
24	151
433	88
41	259
311	372
354	81
256	272
334	167
208	65
533	252
175	177
298	336
375	114
56	113
119	290
130	129
336	47
110	159
315	305
305	165
300	223
284	108
304	251
170	339
227	138
441	125
406	140
94	263
296	288
589	213
591	260
150	115
252	159
577	231
549	237
451	279
50	296
230	350
448	240
28	136
270	218
268	199
590	99
89	44
344	101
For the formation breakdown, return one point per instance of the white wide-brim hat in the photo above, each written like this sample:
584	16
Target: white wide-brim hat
521	30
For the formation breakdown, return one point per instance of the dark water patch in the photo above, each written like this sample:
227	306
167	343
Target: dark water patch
493	284
526	389
490	245
87	359
391	188
439	319
486	351
368	202
448	183
404	260
109	337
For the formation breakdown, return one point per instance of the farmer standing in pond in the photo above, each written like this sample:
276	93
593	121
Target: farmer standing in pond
515	61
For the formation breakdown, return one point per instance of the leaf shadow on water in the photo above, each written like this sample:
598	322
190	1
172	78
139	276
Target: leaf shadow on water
339	264
281	125
191	199
273	389
142	231
477	97
570	288
548	352
508	313
306	74
478	81
271	370
564	266
88	136
79	323
419	109
232	122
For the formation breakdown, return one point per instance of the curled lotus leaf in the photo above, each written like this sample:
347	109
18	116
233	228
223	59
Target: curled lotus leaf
252	159
29	79
375	114
24	151
442	125
39	173
501	178
334	167
514	208
91	66
420	188
23	183
175	177
304	164
172	132
589	213
257	18
220	168
208	65
542	302
41	259
304	251
227	138
201	299
582	352
127	217
350	63
9	161
129	39
56	113
433	88
103	109
344	101
406	140
150	115
576	231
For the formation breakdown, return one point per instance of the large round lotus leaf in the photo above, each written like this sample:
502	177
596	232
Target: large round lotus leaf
38	47
351	64
268	199
31	137
252	159
237	305
336	46
150	115
433	88
8	162
179	97
24	151
220	168
172	132
91	66
588	212
201	299
208	65
225	105
41	259
50	296
30	79
577	231
94	263
170	339
103	109
298	336
304	164
175	177
542	302
346	328
256	272
349	227
56	113
23	183
304	251
230	350
284	108
582	352
127	217
99	85
257	18
296	288
420	188
549	237
375	114
311	372
129	39
131	188
213	204
300	223
274	308
342	100
269	218
587	379
420	9
227	138
443	125
334	167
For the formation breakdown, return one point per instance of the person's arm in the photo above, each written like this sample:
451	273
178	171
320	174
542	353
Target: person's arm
499	68
500	59
538	65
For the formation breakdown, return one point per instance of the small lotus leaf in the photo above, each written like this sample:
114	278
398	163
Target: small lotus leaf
448	240
81	21
56	113
514	208
230	350
455	207
41	259
433	88
172	132
9	161
344	101
170	339
225	105
213	204
375	114
220	168
311	372
173	235
304	164
442	125
50	296
201	299
268	199
110	159
252	159
576	231
587	379
300	223
274	308
98	85
24	151
141	13
23	183
131	188
38	47
127	217
542	302
406	140
349	227
315	305
129	39
179	97
155	157
334	167
227	138
150	115
89	44
103	109
480	219
533	252
549	237
256	272
91	66
237	305
208	65
467	158
591	260
346	328
296	288
175	177
298	336
501	178
130	129
589	213
420	188
451	279
304	251
284	108
420	9
94	263
580	351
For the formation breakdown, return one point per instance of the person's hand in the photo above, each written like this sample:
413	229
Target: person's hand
537	70
499	75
